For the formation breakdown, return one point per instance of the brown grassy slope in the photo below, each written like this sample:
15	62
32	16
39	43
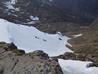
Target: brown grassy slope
88	43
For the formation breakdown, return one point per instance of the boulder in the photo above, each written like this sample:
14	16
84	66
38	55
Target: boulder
39	54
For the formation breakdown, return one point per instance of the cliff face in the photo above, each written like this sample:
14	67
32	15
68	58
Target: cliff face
13	61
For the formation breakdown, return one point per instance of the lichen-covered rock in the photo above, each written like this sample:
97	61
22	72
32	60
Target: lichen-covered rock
39	54
10	63
68	55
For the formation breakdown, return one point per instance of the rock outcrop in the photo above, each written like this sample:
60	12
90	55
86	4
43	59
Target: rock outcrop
81	56
14	61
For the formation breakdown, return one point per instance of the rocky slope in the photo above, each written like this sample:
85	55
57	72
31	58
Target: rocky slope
70	17
87	45
79	11
51	15
13	61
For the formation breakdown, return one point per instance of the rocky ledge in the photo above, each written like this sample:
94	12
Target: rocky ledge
14	61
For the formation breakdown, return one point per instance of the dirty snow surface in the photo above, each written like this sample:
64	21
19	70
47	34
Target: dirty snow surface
31	39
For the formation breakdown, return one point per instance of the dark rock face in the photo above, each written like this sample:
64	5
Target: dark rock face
12	46
51	10
79	6
10	63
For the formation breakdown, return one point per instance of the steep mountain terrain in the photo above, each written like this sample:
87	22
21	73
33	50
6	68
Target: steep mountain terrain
62	60
75	21
51	15
79	11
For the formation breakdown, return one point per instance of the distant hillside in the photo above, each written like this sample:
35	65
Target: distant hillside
78	11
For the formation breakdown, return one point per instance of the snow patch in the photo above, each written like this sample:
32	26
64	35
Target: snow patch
4	35
31	22
13	2
78	35
77	67
31	39
10	5
34	18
